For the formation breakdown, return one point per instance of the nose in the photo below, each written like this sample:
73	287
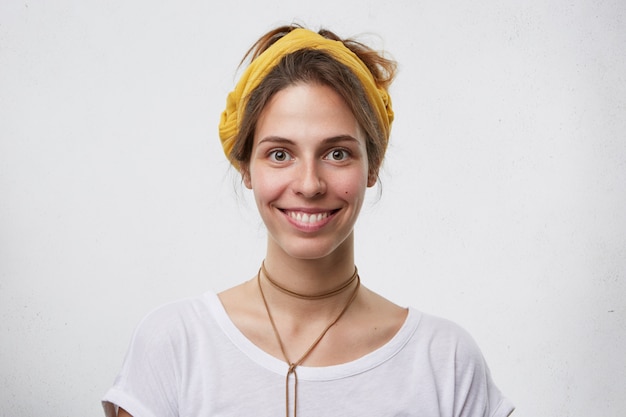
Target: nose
309	181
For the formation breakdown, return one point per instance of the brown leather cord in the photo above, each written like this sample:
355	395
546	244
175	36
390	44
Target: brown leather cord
294	365
320	296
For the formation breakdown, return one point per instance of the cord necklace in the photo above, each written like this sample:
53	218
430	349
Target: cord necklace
338	290
294	365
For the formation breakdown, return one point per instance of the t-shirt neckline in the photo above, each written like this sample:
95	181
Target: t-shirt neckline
322	373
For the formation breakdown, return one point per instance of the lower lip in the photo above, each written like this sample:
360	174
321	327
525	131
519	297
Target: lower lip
309	227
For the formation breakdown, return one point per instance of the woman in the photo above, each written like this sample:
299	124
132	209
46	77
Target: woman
307	127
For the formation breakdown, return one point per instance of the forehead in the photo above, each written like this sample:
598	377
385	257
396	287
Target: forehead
307	111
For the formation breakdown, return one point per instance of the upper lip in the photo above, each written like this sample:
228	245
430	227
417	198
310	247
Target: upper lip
309	210
309	216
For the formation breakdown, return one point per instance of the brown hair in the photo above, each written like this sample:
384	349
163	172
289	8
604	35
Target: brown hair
317	66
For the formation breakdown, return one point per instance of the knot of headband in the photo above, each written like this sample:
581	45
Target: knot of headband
294	41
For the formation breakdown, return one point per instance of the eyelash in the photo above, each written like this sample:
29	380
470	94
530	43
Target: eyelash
328	156
345	152
272	155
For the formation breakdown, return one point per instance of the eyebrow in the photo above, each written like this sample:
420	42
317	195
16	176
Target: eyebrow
328	141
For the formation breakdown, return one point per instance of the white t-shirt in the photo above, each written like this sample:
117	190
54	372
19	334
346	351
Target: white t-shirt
187	359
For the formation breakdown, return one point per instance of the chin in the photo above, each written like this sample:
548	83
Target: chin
312	249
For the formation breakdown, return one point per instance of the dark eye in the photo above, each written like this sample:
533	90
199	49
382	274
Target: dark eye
279	155
338	155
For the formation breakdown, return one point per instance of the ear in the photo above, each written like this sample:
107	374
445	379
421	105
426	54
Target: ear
372	178
245	176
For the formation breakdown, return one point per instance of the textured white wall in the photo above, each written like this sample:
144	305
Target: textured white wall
503	203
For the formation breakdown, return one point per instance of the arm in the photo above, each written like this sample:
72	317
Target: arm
123	413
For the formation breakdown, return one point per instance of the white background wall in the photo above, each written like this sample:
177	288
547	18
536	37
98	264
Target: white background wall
503	204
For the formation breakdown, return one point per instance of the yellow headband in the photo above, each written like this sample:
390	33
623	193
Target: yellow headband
294	41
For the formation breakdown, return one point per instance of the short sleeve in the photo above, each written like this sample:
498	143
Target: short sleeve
147	384
458	371
475	391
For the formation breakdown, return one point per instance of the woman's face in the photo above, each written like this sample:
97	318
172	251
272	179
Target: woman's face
308	171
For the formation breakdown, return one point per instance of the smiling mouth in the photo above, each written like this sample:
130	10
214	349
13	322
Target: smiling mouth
309	218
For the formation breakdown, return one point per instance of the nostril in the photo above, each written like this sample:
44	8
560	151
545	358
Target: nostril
310	183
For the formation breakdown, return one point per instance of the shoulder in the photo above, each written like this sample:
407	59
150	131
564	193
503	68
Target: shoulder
174	312
458	367
446	336
449	351
174	321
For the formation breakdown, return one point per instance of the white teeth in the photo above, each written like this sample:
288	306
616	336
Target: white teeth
307	218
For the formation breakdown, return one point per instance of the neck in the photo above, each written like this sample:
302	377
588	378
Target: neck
309	277
317	296
298	312
314	275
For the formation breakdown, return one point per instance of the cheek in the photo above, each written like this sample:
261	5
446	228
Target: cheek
353	187
264	186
